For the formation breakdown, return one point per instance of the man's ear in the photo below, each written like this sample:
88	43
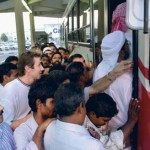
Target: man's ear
121	55
38	103
5	78
92	114
27	68
80	108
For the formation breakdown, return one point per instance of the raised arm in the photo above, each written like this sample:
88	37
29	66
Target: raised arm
103	83
38	136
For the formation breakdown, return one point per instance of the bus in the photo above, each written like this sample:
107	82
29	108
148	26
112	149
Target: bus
84	25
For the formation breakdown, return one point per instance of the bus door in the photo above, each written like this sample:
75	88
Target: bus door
138	19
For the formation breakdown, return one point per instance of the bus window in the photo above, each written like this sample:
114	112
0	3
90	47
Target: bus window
85	34
75	36
70	22
70	37
62	32
75	17
84	13
96	20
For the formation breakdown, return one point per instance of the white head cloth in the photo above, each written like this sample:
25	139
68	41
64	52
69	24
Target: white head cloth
110	47
46	49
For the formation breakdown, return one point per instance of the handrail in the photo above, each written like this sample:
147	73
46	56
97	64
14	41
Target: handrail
146	16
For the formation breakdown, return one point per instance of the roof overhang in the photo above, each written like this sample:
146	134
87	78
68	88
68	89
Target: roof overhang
44	8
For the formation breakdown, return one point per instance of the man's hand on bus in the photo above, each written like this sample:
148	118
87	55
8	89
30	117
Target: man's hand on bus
133	110
132	119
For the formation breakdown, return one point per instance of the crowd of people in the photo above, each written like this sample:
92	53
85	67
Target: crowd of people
52	100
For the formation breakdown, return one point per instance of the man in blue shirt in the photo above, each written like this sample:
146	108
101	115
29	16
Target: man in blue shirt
6	135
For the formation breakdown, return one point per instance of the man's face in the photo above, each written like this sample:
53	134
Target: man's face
47	109
82	60
37	69
53	49
99	121
62	52
56	59
1	113
49	53
45	61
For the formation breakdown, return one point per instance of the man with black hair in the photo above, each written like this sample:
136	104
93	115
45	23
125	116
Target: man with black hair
100	109
8	72
45	61
56	58
59	76
57	67
88	72
67	132
41	101
62	51
76	71
12	59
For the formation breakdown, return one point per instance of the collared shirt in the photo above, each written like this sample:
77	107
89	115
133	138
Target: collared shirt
15	101
111	140
6	137
66	136
24	133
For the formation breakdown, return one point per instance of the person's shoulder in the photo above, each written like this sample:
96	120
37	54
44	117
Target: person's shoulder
11	84
51	125
4	127
51	128
24	127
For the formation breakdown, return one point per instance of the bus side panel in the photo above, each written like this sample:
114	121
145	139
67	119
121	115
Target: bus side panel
144	119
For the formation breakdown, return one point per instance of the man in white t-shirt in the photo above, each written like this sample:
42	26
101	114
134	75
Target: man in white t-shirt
29	135
15	97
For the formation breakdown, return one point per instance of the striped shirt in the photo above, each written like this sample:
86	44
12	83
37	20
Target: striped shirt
6	137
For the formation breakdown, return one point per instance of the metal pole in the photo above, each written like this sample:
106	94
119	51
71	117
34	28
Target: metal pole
146	16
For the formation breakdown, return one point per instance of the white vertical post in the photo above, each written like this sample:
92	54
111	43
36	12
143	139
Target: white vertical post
19	26
32	28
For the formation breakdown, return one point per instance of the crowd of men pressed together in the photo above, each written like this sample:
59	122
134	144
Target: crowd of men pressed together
51	99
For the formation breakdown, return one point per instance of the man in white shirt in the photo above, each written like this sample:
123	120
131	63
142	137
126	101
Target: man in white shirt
8	72
16	92
67	133
7	141
114	49
29	135
100	109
